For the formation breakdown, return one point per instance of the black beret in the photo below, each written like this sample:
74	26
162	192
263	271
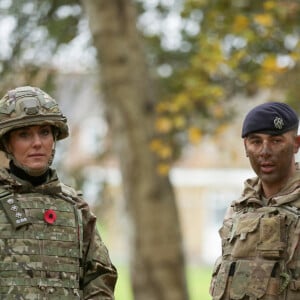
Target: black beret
271	118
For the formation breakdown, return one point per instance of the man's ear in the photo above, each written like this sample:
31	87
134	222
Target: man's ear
245	146
297	143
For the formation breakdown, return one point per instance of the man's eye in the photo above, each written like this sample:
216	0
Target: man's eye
255	142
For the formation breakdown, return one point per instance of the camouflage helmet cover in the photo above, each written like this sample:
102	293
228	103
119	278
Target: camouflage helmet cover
27	106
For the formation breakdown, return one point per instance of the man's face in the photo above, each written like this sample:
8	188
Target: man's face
272	157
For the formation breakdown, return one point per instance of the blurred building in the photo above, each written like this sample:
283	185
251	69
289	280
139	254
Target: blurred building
206	179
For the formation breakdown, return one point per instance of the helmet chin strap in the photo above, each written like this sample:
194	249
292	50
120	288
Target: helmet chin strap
53	153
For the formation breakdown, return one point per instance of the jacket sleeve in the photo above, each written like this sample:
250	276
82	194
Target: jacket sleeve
99	274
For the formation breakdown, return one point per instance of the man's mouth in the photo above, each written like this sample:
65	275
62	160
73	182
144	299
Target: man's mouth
267	167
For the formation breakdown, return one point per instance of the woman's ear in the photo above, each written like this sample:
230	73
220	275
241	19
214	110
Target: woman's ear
6	144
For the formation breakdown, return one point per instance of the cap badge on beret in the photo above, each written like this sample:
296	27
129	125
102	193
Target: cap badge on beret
278	123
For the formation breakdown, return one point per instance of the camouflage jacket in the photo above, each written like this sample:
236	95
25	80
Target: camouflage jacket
49	244
260	246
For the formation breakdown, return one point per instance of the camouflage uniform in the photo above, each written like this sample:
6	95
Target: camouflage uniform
49	244
260	246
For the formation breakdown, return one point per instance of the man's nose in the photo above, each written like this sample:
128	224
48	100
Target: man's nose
265	149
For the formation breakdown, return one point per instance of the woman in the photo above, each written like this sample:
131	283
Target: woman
49	245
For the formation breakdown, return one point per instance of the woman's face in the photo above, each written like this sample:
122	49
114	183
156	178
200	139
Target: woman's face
31	147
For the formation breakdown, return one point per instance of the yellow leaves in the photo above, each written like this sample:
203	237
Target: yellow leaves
178	103
167	124
240	23
221	129
270	64
210	55
179	122
170	114
295	56
215	91
162	149
270	68
236	57
269	5
265	20
155	145
266	80
196	3
163	169
195	135
163	125
162	107
217	111
164	152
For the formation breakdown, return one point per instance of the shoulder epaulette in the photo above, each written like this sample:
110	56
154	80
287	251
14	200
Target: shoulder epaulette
4	192
13	211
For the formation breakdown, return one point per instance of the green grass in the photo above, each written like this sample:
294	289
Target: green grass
198	280
123	289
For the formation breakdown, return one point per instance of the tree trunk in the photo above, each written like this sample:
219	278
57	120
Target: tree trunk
157	264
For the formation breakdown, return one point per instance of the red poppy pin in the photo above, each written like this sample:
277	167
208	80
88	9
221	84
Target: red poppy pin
50	216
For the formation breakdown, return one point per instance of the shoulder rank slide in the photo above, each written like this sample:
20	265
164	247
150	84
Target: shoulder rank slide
14	213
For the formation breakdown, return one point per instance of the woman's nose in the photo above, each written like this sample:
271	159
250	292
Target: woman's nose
36	140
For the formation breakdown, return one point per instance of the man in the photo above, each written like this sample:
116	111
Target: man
261	230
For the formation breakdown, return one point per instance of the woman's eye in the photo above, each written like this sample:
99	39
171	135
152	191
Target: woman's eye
45	132
23	134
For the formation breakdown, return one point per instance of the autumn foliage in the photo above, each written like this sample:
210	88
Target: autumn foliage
240	47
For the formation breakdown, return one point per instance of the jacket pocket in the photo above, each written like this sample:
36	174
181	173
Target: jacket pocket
251	279
225	234
245	237
219	279
271	244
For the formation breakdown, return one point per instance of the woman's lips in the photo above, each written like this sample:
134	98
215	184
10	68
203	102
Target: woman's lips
36	156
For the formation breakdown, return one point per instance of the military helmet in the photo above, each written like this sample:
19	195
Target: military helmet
27	106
